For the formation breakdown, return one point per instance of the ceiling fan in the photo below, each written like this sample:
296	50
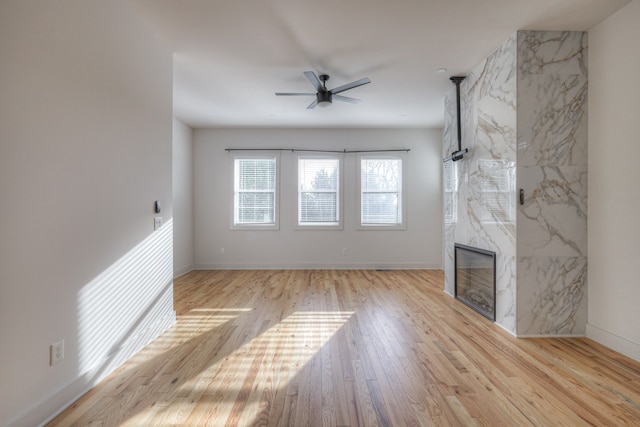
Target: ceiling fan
324	96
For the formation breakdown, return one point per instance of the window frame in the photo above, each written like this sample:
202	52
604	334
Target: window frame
402	192
276	214
339	224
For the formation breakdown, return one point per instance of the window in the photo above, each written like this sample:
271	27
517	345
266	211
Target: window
319	191
381	187
254	195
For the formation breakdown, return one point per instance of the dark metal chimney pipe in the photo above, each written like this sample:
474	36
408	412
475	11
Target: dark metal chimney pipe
457	155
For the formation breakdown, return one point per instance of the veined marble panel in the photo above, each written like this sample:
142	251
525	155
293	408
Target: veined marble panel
552	120
450	191
552	171
552	295
449	271
489	207
552	52
536	82
553	219
482	202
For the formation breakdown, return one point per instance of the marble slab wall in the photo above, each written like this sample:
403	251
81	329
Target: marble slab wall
523	114
552	171
479	193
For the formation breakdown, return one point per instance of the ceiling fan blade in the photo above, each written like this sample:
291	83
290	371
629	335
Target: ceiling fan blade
312	105
294	94
347	99
315	81
351	85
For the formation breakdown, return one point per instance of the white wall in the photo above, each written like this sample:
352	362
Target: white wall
419	246
614	204
85	150
182	198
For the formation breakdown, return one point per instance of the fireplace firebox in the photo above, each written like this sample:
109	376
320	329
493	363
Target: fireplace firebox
475	279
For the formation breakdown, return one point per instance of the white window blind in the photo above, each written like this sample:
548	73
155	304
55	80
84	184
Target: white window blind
381	191
254	191
318	191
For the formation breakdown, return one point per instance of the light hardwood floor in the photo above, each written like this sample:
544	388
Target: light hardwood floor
353	348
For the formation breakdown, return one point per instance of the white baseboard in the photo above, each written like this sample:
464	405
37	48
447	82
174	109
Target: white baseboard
51	406
182	271
318	266
505	329
525	336
614	342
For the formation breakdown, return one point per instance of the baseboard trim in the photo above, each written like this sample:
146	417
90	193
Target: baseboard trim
504	328
318	266
614	342
182	271
51	406
525	336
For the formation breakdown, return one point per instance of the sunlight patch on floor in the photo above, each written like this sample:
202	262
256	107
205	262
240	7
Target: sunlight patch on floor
273	359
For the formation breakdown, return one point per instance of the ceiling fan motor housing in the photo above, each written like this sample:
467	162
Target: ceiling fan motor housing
324	96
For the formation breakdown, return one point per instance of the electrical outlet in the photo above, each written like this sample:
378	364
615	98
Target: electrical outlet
56	352
345	251
157	223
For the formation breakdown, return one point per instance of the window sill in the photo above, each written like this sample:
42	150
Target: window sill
319	226
381	227
255	227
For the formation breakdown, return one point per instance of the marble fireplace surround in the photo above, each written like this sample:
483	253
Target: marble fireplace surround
524	121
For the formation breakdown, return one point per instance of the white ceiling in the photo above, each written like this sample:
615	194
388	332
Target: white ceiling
231	56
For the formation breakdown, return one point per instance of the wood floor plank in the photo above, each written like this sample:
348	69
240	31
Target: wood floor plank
352	348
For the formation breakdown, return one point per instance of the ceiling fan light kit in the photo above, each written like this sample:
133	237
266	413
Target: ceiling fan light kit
324	96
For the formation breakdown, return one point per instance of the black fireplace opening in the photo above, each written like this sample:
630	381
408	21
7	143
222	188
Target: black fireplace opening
475	279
